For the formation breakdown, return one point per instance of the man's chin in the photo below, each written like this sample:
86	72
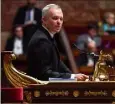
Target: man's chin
58	30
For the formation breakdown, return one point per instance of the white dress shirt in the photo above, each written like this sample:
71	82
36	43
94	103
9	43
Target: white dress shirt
30	16
18	46
90	59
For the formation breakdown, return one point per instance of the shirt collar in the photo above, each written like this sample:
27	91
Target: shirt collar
51	34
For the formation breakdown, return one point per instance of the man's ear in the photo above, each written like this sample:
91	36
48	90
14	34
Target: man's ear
43	19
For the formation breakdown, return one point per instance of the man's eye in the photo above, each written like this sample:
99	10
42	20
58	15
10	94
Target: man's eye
61	19
55	18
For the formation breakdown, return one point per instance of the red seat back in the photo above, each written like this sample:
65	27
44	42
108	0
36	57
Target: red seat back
11	95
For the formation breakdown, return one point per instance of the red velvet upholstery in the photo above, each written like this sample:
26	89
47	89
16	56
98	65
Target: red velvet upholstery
11	95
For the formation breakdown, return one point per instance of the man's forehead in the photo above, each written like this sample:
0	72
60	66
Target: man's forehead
18	28
55	11
112	15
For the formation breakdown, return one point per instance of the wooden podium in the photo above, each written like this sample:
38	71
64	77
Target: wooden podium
58	91
71	92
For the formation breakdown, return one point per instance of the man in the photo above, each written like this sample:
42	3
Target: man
88	42
30	18
15	42
43	56
109	23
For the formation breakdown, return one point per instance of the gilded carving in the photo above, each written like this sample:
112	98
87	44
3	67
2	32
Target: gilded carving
76	93
56	93
95	93
36	93
28	96
113	93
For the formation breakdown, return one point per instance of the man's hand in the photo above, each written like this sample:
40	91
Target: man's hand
81	77
91	44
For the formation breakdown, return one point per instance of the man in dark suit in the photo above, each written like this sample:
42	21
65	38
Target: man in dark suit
30	18
43	56
15	42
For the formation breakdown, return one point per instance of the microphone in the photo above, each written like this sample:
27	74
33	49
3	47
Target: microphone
86	52
93	54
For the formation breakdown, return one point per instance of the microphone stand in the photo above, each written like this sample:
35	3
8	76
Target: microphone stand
93	55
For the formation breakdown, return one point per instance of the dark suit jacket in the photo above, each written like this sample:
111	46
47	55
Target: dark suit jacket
21	13
43	57
30	29
10	44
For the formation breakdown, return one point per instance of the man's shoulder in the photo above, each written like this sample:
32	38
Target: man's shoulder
39	35
10	38
39	39
38	9
82	36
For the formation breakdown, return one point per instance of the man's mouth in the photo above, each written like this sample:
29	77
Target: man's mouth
58	26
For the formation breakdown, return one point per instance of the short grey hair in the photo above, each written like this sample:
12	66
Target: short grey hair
49	6
107	14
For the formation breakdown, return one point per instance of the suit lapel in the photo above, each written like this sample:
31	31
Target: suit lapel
57	51
52	40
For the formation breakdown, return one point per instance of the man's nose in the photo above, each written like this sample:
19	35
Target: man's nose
59	21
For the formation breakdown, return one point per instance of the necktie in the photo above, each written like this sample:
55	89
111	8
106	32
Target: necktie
28	15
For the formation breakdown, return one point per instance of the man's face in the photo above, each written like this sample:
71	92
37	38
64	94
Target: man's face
92	32
53	20
19	32
111	19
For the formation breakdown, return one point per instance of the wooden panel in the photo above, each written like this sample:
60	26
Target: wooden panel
68	92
